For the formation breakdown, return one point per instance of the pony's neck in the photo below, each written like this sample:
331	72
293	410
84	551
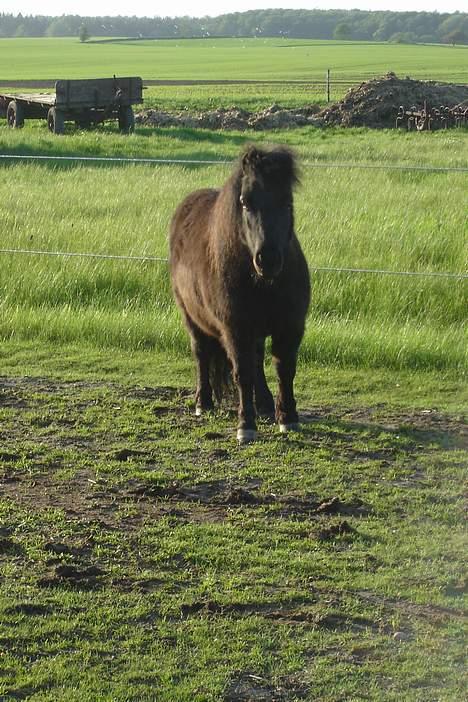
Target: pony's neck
227	221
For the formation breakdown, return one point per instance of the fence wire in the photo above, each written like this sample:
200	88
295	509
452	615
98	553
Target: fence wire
161	259
199	162
225	162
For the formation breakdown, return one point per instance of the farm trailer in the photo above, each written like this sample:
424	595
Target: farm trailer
85	102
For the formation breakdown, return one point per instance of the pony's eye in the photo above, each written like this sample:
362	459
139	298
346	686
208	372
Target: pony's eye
246	202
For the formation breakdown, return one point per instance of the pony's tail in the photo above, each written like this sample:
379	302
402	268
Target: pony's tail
220	373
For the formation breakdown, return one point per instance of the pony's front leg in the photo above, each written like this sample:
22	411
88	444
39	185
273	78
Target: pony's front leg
284	352
242	354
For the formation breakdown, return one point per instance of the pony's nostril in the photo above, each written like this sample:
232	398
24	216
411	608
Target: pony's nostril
259	259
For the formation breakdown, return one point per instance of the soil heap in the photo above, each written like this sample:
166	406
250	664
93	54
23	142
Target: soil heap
374	103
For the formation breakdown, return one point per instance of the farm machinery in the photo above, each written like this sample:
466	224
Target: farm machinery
427	118
86	102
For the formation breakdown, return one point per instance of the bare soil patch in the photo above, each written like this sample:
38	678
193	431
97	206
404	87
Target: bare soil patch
246	686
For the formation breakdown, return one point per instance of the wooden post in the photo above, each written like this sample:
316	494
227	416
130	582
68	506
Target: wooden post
328	85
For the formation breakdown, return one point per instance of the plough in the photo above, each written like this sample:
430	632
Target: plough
427	118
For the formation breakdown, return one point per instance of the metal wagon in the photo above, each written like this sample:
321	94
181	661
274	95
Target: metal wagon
86	102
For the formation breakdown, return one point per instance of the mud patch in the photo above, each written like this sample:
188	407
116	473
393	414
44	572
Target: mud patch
430	612
126	454
250	687
9	547
29	609
230	495
335	530
73	576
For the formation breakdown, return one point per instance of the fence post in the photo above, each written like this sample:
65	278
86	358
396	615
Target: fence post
328	85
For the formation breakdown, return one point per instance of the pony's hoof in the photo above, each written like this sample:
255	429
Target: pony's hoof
286	428
198	411
246	436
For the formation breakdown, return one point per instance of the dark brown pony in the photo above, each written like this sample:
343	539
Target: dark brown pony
239	275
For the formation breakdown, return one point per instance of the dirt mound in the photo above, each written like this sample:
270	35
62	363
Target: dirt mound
374	103
273	117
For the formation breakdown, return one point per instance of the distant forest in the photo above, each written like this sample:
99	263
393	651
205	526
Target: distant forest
403	27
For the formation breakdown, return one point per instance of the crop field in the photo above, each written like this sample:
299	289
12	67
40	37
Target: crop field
227	59
144	556
230	59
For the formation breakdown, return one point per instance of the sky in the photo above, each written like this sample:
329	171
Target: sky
177	8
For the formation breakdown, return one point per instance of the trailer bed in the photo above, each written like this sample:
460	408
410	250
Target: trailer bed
86	102
46	99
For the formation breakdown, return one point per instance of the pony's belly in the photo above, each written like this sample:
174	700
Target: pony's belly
206	321
196	306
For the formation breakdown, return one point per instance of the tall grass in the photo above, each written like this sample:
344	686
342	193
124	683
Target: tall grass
345	218
317	146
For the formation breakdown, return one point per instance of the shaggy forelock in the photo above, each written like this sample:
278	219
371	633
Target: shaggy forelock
275	166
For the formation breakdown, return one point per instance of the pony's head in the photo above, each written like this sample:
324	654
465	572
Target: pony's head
267	179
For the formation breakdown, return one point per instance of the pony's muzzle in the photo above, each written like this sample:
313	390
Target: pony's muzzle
268	262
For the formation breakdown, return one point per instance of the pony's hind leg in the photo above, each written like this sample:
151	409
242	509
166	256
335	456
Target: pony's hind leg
284	351
202	349
241	352
264	402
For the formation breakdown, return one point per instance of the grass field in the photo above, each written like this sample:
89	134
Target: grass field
144	555
253	97
226	58
223	59
345	218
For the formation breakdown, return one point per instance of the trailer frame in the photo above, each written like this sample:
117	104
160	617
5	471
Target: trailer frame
87	102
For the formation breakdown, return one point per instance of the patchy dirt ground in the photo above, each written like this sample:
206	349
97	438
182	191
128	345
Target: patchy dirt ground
52	421
374	103
119	506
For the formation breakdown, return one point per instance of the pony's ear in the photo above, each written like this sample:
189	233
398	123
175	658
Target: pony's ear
250	159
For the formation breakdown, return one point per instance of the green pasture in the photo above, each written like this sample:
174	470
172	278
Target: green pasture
370	218
286	59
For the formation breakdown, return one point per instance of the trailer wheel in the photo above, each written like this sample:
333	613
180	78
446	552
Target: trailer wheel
56	121
15	115
126	120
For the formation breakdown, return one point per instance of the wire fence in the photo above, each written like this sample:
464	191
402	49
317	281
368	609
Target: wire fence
161	259
225	162
329	85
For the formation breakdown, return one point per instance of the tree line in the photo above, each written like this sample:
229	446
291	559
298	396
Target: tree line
403	27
